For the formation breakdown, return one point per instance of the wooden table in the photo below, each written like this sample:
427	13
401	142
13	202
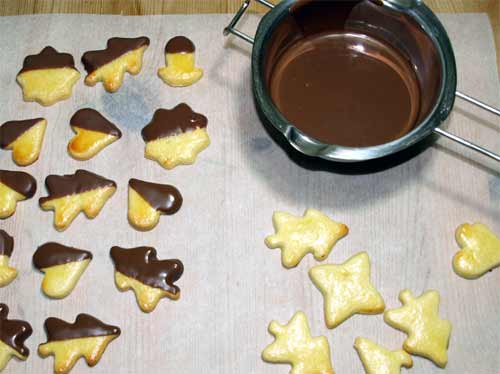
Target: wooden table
143	7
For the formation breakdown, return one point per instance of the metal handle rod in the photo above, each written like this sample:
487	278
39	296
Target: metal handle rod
467	144
478	103
231	28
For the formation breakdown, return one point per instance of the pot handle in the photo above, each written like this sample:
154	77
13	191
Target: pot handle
231	28
465	142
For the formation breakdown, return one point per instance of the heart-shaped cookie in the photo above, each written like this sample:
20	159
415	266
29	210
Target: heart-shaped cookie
24	139
63	266
93	133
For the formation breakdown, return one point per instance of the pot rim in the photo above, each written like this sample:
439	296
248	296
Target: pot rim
313	147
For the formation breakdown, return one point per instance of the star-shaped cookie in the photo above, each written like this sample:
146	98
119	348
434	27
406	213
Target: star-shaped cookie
378	360
428	335
313	233
347	289
480	250
294	345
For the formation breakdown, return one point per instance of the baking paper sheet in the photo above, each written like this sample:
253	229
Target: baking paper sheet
233	285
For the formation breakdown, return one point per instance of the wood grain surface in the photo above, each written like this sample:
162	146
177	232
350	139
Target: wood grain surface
144	7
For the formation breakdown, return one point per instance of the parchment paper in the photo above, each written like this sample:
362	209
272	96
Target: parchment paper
233	285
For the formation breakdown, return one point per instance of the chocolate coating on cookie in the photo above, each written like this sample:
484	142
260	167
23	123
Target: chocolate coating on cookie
12	130
180	44
115	48
162	197
14	332
81	181
52	254
90	119
19	181
6	244
85	326
143	265
48	58
169	122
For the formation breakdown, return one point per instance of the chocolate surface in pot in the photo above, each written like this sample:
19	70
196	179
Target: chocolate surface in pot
351	73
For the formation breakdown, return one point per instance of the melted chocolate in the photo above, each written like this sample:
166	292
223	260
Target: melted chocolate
85	326
72	184
48	58
14	332
170	122
19	181
90	119
6	244
11	130
116	47
180	44
351	72
143	265
163	197
52	254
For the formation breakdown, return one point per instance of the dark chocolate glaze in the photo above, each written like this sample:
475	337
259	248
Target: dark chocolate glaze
81	181
163	197
85	326
48	58
19	181
115	48
90	119
6	244
351	72
52	254
180	44
12	130
14	332
169	122
143	265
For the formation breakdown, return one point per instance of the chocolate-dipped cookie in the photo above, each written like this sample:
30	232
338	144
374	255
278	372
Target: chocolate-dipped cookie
93	133
71	194
175	136
13	334
87	337
48	77
7	273
63	266
24	139
151	279
14	186
180	69
147	201
109	65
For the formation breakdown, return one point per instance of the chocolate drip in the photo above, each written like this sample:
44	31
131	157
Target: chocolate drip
52	254
48	58
11	130
115	48
19	181
14	332
6	244
163	197
169	122
81	181
85	326
143	265
90	119
180	44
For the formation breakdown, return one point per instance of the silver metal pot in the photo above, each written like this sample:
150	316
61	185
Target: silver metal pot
438	87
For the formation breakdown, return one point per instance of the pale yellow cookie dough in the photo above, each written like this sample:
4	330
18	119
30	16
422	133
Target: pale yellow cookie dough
313	233
428	335
480	250
347	289
294	345
378	360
